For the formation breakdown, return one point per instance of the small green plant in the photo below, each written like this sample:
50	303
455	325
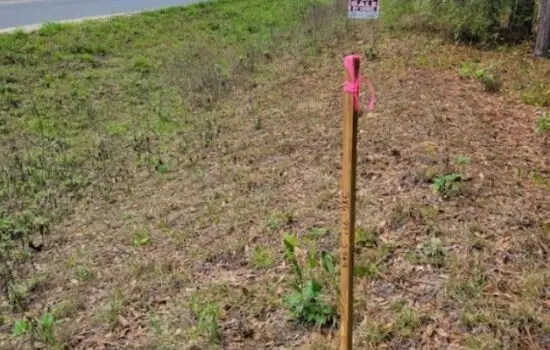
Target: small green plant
207	319
278	219
370	53
536	95
141	238
305	301
462	160
543	124
467	70
369	269
366	237
41	329
433	251
447	185
161	167
316	233
20	328
141	64
82	273
262	258
489	81
45	329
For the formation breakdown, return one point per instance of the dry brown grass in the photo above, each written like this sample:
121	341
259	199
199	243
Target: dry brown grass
194	259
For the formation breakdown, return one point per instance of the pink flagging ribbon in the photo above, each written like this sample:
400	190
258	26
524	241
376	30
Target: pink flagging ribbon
354	85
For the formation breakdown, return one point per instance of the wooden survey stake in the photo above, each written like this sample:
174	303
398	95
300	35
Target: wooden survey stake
349	165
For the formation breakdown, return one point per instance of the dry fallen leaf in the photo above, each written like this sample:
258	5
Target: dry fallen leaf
122	321
442	333
429	330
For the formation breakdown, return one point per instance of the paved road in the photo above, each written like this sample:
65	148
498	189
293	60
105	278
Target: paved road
17	13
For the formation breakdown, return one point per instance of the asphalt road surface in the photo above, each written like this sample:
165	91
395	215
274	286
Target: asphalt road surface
19	13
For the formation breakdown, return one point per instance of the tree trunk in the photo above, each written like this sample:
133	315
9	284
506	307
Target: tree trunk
542	45
520	23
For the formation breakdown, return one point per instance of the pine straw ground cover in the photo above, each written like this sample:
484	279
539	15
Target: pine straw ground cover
453	205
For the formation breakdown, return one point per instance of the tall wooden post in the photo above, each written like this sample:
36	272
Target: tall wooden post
542	44
347	240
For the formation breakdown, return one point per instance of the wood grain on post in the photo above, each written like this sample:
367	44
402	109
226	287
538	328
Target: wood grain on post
542	43
347	238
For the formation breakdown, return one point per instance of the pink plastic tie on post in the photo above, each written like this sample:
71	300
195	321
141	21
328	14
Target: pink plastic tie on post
354	86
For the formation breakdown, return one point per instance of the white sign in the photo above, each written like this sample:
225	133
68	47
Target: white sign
363	9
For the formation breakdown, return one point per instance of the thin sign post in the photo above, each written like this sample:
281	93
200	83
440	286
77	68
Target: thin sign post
349	166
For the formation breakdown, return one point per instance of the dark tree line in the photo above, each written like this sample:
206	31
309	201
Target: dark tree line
527	20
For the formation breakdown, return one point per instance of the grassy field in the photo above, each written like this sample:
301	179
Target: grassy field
171	180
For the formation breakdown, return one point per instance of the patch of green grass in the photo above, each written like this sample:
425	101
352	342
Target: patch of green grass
462	160
376	333
68	307
366	270
316	233
262	258
207	319
407	321
366	237
536	95
543	124
540	179
434	251
117	302
277	220
466	280
83	107
447	185
482	342
141	238
488	79
82	273
41	329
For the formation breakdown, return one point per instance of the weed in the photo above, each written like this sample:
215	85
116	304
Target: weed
447	185
117	301
370	53
305	301
161	167
141	64
543	124
41	329
536	95
407	321
82	273
20	328
45	328
368	269
316	233
467	70
462	160
68	307
540	179
366	237
433	251
141	238
207	319
490	81
262	258
376	333
277	220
